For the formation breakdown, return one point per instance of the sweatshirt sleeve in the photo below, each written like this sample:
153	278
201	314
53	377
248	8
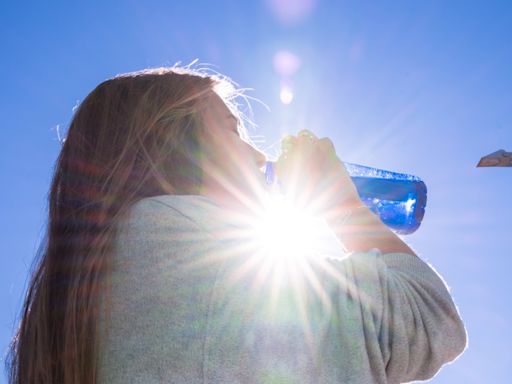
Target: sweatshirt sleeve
416	322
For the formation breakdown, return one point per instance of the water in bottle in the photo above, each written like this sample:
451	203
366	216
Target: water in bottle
399	199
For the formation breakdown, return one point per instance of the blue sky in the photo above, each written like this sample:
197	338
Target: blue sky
415	87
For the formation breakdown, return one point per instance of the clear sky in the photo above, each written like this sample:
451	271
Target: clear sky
415	87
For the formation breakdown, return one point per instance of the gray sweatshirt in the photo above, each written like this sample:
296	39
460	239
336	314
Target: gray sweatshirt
194	300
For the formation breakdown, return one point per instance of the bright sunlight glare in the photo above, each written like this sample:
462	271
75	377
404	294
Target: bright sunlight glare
286	95
288	234
291	244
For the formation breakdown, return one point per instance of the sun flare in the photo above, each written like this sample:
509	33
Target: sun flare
285	232
288	240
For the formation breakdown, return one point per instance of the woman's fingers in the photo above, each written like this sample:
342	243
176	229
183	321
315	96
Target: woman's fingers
287	143
311	172
305	134
306	149
302	163
326	145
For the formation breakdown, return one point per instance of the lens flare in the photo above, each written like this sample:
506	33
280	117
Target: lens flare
285	232
285	259
286	95
291	12
286	63
287	237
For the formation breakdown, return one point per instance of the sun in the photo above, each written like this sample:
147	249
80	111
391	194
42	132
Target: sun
284	232
287	239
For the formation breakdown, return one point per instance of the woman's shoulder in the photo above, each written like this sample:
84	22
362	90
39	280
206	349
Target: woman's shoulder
177	204
176	216
171	209
161	225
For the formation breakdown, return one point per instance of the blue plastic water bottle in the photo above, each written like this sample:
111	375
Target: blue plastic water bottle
399	199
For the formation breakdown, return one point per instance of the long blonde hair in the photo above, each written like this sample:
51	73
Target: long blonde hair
133	136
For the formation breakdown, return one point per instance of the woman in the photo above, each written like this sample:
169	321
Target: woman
150	272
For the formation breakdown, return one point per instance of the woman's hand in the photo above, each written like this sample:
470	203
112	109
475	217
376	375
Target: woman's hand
315	179
313	176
